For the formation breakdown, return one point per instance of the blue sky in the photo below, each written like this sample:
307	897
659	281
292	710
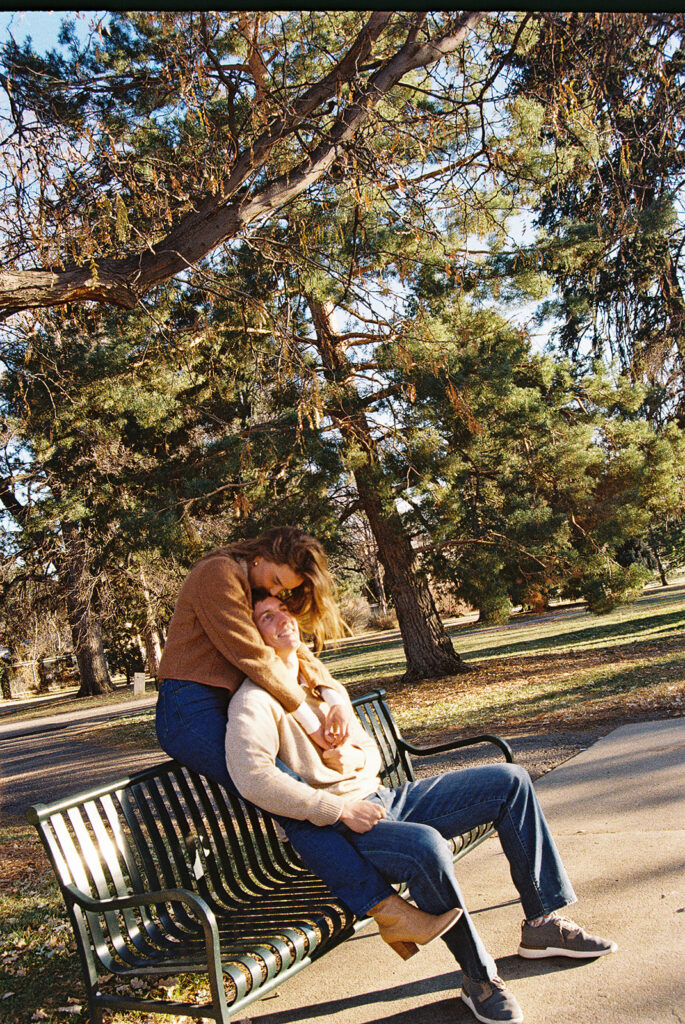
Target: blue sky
42	26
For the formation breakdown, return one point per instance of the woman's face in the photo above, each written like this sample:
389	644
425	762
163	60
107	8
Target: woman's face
272	576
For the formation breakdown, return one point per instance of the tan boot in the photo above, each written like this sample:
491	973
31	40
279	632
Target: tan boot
402	925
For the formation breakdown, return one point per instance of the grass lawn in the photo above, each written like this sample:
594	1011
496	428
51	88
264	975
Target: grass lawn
563	671
560	671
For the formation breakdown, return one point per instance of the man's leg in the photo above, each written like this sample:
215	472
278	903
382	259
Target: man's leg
504	794
419	856
457	801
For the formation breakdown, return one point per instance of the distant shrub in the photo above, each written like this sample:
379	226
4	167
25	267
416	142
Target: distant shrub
448	605
535	600
495	609
356	611
382	621
605	584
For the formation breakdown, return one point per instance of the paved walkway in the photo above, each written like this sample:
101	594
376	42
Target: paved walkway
618	813
46	758
62	719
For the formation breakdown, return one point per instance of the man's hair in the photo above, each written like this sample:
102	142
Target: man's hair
259	594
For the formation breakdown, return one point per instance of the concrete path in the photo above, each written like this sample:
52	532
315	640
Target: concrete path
618	813
13	729
47	758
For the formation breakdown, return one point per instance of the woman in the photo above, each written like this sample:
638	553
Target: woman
213	644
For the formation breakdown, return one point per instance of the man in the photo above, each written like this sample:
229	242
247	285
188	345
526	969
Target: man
404	832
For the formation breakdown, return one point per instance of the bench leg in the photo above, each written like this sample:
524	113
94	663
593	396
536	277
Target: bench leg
95	1012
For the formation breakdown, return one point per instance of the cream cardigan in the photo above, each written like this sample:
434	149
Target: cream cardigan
259	730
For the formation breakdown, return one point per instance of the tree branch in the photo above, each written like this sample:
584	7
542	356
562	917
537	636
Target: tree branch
219	217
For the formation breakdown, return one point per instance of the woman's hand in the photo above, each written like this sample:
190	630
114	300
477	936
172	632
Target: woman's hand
361	815
319	738
345	758
336	728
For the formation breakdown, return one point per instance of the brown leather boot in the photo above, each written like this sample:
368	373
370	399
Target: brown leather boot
402	925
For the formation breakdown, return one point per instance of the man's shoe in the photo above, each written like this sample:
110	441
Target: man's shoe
561	937
490	1001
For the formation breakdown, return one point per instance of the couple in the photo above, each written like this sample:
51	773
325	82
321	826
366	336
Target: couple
294	747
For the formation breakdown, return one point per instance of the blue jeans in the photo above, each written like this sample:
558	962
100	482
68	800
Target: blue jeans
191	727
410	845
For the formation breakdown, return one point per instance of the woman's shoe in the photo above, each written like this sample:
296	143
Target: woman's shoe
404	927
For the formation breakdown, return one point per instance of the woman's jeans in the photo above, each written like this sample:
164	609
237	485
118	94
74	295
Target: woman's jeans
410	845
191	727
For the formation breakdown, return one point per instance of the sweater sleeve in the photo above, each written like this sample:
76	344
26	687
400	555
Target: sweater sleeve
252	744
222	605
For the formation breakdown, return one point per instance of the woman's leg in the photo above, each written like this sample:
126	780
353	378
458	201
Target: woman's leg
191	727
421	857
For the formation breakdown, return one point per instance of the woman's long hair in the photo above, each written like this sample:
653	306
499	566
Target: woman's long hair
313	602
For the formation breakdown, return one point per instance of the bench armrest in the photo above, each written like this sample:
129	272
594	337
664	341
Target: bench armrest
74	897
443	748
142	899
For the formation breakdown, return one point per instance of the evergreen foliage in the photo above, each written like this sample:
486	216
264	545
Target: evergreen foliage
341	353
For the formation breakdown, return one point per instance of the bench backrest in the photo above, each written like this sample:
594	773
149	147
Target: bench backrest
166	828
377	719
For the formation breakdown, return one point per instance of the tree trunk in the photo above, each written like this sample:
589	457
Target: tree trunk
150	633
655	552
86	634
83	616
428	648
380	590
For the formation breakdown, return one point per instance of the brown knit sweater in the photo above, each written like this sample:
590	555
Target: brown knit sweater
212	638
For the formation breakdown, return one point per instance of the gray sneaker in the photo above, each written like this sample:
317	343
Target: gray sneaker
490	1001
561	937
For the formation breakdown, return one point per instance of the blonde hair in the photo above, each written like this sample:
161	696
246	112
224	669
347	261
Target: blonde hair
313	602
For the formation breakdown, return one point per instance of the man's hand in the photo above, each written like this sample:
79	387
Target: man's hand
336	728
361	815
345	758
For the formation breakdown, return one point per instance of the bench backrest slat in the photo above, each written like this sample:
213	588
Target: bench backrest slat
203	842
130	874
377	719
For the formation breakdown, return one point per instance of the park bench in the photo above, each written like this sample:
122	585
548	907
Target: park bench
165	872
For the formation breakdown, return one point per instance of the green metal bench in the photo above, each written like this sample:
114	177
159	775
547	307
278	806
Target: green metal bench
165	873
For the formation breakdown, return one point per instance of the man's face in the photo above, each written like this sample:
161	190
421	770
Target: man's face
278	628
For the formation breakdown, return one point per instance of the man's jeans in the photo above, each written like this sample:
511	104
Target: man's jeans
191	727
410	845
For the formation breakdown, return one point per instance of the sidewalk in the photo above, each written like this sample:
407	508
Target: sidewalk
617	811
61	720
